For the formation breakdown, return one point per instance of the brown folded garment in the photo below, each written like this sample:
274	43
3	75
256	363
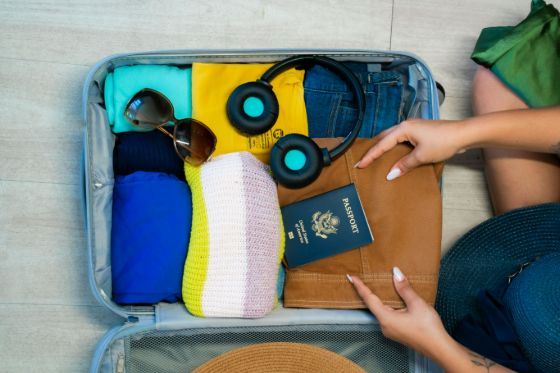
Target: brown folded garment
404	216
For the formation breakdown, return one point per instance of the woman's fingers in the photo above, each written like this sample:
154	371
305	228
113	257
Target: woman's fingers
386	132
376	306
386	143
404	289
371	300
403	165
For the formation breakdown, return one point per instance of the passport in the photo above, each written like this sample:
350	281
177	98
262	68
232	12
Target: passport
325	225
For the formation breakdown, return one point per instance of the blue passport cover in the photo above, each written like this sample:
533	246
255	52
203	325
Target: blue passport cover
325	225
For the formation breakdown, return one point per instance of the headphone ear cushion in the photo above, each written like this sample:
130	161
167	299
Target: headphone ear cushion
252	108
296	161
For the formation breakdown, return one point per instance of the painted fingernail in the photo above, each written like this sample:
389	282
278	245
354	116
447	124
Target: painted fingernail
349	278
357	164
394	173
398	274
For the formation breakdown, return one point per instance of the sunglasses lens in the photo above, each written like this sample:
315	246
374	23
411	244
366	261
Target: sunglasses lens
194	142
149	109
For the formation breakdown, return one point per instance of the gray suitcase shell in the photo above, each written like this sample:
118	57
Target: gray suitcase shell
165	337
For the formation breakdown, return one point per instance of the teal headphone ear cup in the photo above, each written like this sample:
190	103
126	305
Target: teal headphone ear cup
252	108
296	161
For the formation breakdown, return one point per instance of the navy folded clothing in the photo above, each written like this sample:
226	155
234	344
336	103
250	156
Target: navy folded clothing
146	151
151	226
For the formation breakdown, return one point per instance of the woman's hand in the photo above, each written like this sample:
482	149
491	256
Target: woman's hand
418	325
534	130
433	141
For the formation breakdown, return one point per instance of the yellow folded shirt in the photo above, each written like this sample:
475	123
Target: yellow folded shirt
212	85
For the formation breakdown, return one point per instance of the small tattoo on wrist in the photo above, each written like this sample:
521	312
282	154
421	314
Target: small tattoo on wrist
481	361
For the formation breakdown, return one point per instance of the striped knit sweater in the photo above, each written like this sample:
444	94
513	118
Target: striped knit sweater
237	238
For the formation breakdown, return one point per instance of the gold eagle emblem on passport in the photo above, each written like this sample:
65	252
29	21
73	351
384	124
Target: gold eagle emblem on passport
324	224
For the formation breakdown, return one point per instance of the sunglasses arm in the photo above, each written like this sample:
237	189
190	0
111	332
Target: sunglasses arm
167	133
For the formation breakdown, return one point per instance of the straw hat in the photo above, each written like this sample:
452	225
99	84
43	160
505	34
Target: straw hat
281	357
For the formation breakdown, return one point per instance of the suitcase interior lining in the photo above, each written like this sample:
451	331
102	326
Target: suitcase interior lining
156	351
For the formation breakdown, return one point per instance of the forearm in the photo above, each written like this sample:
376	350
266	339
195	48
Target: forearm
535	130
455	358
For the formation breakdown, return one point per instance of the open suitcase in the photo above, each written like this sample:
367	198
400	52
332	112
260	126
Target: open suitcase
165	337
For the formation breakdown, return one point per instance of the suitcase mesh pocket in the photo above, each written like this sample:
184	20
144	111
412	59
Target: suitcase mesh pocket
184	350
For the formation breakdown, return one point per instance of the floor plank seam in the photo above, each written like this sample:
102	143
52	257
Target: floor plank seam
53	305
392	21
36	182
464	209
43	61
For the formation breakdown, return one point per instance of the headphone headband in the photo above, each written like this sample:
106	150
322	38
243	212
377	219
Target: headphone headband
295	160
344	73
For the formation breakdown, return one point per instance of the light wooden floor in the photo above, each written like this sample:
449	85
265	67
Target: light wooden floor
48	319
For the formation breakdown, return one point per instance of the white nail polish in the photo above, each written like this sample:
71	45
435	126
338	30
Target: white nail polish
349	278
393	174
357	164
398	274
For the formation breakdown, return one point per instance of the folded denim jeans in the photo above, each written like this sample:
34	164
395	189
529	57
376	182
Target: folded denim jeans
331	106
404	216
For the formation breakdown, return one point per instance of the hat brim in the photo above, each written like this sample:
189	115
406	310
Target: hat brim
279	358
485	256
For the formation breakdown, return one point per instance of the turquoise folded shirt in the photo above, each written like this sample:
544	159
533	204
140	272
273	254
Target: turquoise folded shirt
126	81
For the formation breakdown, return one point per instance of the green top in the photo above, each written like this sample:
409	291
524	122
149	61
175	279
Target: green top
526	57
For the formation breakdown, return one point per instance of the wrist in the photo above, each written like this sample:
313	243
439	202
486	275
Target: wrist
482	131
450	355
467	134
441	349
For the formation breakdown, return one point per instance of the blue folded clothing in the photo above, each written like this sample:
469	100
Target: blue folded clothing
149	151
124	82
331	106
151	225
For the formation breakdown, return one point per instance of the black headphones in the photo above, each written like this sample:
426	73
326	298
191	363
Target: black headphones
295	160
